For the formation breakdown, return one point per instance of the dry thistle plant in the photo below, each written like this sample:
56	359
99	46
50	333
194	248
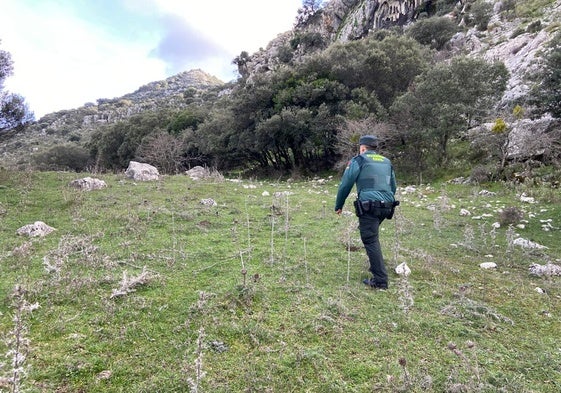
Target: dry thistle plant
129	284
510	238
275	211
71	246
471	368
17	341
406	377
443	206
195	383
405	291
437	219
350	243
469	238
24	250
410	382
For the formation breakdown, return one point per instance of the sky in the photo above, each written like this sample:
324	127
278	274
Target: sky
70	52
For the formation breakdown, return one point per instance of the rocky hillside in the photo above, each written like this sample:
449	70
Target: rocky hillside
515	41
63	126
516	33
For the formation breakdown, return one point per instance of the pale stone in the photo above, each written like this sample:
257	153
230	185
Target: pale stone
142	172
525	243
402	269
548	269
197	173
88	184
38	228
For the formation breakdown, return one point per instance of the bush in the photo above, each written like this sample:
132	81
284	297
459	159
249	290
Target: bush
481	13
510	216
434	32
534	27
480	174
444	7
63	157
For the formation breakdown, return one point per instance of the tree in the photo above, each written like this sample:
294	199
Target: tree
434	32
14	112
63	157
163	150
443	102
307	12
386	66
546	94
241	62
115	145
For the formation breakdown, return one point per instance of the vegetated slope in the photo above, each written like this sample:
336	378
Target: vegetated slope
143	287
75	125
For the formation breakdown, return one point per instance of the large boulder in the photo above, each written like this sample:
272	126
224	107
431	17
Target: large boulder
141	172
88	184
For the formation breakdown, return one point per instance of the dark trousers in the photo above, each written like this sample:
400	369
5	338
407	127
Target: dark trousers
369	226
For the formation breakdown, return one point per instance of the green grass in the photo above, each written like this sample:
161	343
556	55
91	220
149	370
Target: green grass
270	286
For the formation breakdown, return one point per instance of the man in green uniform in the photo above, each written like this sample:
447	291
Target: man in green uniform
375	182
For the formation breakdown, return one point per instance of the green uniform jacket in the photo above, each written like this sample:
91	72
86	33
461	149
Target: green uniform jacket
374	177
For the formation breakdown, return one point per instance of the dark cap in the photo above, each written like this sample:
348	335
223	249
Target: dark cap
368	140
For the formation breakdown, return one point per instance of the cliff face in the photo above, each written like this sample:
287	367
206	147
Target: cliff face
351	20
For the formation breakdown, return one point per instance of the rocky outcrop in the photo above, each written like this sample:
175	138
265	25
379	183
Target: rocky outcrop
356	19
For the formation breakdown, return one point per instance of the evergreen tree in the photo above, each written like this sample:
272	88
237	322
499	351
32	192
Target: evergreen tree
546	94
14	112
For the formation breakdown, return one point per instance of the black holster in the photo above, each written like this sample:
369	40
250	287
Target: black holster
359	209
380	209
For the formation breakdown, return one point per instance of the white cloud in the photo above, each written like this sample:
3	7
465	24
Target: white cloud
63	60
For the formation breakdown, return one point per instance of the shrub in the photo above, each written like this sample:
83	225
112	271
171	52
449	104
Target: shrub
510	216
480	174
534	27
444	7
434	32
481	13
63	157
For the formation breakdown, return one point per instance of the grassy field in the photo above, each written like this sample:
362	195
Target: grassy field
142	288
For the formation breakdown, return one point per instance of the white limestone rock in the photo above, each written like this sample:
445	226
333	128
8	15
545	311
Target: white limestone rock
38	228
88	184
142	172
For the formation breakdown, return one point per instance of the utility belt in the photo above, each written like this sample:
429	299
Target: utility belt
380	209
